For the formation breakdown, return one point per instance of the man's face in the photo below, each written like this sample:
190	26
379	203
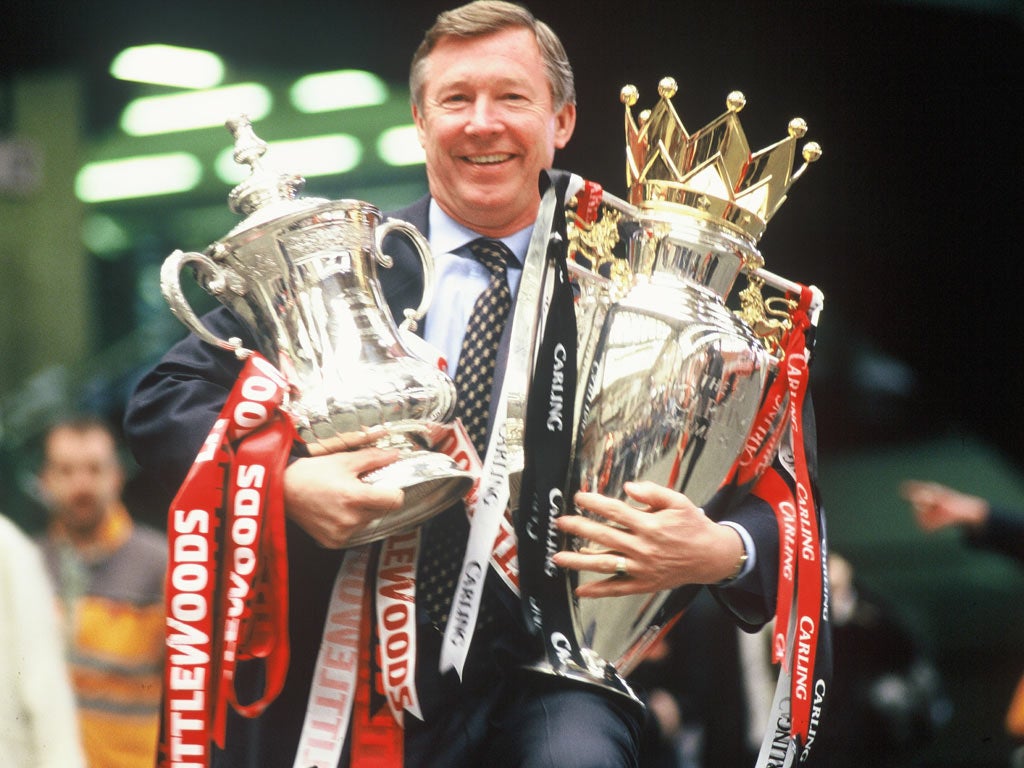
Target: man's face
488	125
81	477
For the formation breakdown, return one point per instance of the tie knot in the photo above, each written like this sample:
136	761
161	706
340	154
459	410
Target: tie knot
493	254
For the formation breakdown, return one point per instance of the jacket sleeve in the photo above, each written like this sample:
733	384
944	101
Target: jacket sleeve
1003	532
174	405
750	599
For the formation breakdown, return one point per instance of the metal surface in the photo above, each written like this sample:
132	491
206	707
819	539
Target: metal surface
670	379
301	276
669	389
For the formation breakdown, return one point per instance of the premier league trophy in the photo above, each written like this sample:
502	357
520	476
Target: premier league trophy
670	379
300	273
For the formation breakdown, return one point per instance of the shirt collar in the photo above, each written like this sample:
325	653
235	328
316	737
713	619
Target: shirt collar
447	235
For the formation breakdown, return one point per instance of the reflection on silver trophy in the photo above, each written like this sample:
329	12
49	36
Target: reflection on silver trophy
300	273
670	378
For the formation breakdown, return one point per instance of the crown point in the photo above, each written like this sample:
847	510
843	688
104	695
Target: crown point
798	127
811	151
712	172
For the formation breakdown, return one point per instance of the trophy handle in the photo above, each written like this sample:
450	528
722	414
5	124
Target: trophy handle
419	242
220	282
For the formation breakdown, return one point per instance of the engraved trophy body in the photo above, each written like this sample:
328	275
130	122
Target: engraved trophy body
670	388
670	378
300	274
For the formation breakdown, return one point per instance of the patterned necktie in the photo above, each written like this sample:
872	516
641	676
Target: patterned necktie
445	536
475	374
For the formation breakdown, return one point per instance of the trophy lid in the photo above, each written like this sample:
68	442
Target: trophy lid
710	174
265	195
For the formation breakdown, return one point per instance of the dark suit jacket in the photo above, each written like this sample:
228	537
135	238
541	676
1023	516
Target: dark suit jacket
170	415
1003	532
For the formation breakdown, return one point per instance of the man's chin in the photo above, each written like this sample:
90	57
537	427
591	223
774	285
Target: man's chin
83	517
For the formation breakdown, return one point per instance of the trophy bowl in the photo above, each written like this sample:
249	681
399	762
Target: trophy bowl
672	383
300	275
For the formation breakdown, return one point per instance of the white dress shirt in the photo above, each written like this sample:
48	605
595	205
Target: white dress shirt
460	279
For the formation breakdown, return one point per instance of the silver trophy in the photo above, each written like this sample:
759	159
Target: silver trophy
300	274
670	378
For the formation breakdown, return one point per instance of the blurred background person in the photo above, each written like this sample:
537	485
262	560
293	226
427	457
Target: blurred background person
984	526
888	699
108	573
38	726
709	687
936	506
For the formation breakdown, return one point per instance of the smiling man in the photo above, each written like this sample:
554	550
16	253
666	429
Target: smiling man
108	573
493	100
489	121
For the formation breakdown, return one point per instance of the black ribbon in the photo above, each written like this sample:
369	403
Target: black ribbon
548	434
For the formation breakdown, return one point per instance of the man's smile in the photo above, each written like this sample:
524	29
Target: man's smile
488	159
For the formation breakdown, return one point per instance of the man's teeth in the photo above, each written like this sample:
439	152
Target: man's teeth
489	158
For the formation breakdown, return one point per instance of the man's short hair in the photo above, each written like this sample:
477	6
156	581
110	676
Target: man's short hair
484	17
80	423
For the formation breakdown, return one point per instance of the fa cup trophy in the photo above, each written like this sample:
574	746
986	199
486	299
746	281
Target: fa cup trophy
670	379
300	274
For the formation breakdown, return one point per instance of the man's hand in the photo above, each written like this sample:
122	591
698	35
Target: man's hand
324	496
937	506
665	539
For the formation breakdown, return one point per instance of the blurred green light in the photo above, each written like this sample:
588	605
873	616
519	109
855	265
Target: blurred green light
400	146
168	65
311	156
141	176
195	109
343	89
104	236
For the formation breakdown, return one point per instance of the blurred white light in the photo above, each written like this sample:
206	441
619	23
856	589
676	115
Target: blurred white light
344	89
141	176
311	156
195	109
168	65
400	146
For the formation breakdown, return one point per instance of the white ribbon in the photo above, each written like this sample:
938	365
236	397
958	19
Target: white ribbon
337	667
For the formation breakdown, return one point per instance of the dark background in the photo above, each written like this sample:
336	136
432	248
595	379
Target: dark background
908	223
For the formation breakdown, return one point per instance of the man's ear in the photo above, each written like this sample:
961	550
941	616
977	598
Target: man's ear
421	133
565	124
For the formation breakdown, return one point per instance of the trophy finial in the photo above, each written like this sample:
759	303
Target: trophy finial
261	188
712	172
249	147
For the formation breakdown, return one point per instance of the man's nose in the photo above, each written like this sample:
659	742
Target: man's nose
485	117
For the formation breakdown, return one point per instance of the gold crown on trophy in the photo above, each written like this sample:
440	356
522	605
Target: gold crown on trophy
712	172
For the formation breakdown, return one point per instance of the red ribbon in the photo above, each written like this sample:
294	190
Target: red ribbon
377	739
800	556
588	202
227	590
809	568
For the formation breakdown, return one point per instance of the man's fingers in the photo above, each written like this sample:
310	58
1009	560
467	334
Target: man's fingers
607	537
657	496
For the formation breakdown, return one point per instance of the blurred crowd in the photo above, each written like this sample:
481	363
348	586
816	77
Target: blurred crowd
82	627
81	615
